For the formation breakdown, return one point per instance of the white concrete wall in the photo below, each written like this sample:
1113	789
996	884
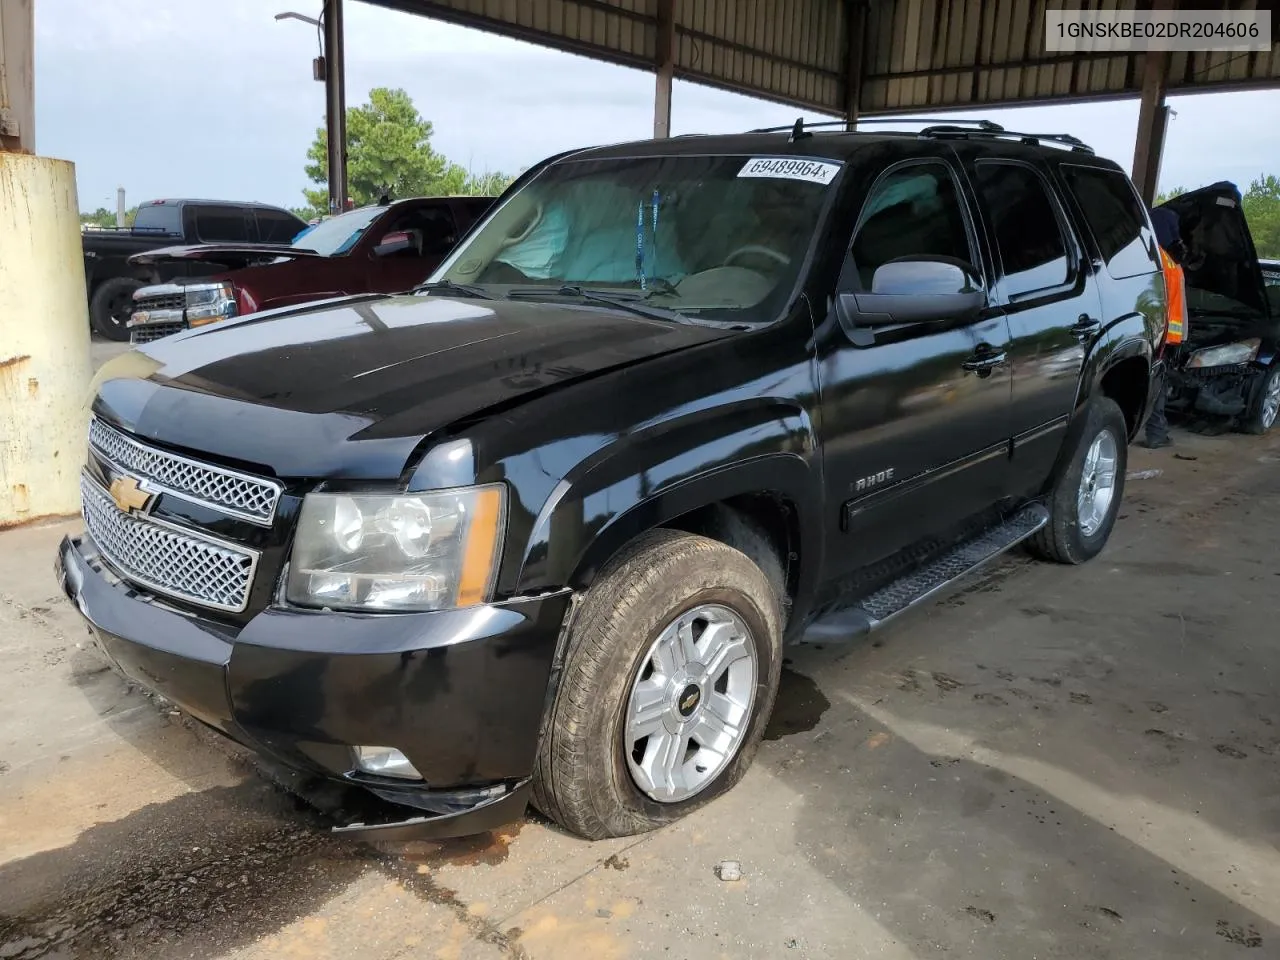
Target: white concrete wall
44	340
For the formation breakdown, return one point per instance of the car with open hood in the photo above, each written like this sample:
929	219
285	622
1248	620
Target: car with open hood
380	248
540	529
1227	366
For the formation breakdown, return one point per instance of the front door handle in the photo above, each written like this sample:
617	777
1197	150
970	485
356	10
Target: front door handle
984	361
1085	328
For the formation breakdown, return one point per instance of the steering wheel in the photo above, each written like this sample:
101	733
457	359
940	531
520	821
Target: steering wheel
764	251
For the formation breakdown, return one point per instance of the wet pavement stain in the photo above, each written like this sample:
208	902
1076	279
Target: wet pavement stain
799	707
198	875
223	866
1240	936
483	849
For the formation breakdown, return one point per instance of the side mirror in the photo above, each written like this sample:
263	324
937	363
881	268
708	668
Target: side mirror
917	290
398	241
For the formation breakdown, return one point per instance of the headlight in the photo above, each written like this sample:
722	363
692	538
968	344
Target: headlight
210	302
1225	356
384	552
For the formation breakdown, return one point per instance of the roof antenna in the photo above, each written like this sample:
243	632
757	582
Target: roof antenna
798	132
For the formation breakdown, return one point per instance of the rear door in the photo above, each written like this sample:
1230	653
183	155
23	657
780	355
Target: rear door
914	420
1049	293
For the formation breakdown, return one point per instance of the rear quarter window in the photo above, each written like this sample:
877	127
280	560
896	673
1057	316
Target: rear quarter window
1115	218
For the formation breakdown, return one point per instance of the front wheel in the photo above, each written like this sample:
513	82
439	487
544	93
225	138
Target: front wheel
1265	405
670	674
1086	492
111	306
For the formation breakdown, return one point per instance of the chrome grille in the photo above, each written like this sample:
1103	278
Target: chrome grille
150	332
166	559
164	301
237	494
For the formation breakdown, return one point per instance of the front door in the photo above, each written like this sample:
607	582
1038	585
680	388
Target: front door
915	419
1050	295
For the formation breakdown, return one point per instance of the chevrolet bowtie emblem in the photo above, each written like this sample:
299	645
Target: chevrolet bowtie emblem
128	495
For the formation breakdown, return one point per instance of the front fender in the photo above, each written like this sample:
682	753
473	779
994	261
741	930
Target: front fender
651	477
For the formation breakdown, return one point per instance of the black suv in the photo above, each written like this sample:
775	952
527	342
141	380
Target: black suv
540	529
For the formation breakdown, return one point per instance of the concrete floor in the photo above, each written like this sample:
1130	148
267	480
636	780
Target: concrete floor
1053	762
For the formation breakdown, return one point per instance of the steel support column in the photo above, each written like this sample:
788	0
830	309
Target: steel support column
1152	116
856	22
335	98
664	65
17	76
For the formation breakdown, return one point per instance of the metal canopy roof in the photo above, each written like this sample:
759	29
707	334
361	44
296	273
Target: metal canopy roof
908	55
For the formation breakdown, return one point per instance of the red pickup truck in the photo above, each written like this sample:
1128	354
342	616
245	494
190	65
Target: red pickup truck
384	248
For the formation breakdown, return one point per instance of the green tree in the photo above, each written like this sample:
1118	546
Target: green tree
1262	210
487	184
388	152
102	217
1167	195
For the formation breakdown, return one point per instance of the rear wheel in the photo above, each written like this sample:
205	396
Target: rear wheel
669	678
111	306
1085	495
1265	407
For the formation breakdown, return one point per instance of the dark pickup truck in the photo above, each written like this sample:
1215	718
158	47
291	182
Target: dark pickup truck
384	248
539	531
111	279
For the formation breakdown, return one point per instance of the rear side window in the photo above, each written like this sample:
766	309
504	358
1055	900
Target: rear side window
221	224
159	218
1116	219
276	226
914	211
1024	227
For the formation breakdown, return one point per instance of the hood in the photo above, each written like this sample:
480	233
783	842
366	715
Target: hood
1226	299
351	389
232	255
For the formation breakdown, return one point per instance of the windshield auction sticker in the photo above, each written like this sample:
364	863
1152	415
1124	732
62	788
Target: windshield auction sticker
781	168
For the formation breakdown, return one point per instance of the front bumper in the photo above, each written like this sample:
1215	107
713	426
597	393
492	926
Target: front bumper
1223	391
460	692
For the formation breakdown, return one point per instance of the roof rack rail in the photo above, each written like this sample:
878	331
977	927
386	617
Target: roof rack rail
800	128
1032	139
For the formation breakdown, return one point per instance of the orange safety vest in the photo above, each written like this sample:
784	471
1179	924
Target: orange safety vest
1175	299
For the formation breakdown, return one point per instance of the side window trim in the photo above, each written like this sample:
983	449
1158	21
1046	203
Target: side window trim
1071	246
848	269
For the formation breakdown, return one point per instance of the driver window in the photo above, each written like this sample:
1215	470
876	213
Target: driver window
435	224
912	212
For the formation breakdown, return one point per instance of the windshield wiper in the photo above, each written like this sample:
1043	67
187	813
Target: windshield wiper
460	289
619	301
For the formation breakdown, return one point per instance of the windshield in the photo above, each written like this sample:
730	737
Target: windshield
337	235
715	237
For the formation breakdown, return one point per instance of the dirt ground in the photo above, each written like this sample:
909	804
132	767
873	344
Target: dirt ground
1052	762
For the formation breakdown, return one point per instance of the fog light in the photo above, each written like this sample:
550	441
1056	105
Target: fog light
385	762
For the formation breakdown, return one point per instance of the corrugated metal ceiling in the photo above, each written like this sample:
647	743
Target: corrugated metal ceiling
917	55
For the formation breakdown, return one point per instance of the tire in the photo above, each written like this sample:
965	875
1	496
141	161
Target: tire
1067	538
584	777
110	306
1264	407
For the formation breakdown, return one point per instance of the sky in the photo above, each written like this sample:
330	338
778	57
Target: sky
215	99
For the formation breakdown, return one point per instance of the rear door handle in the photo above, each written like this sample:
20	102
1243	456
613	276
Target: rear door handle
1086	327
